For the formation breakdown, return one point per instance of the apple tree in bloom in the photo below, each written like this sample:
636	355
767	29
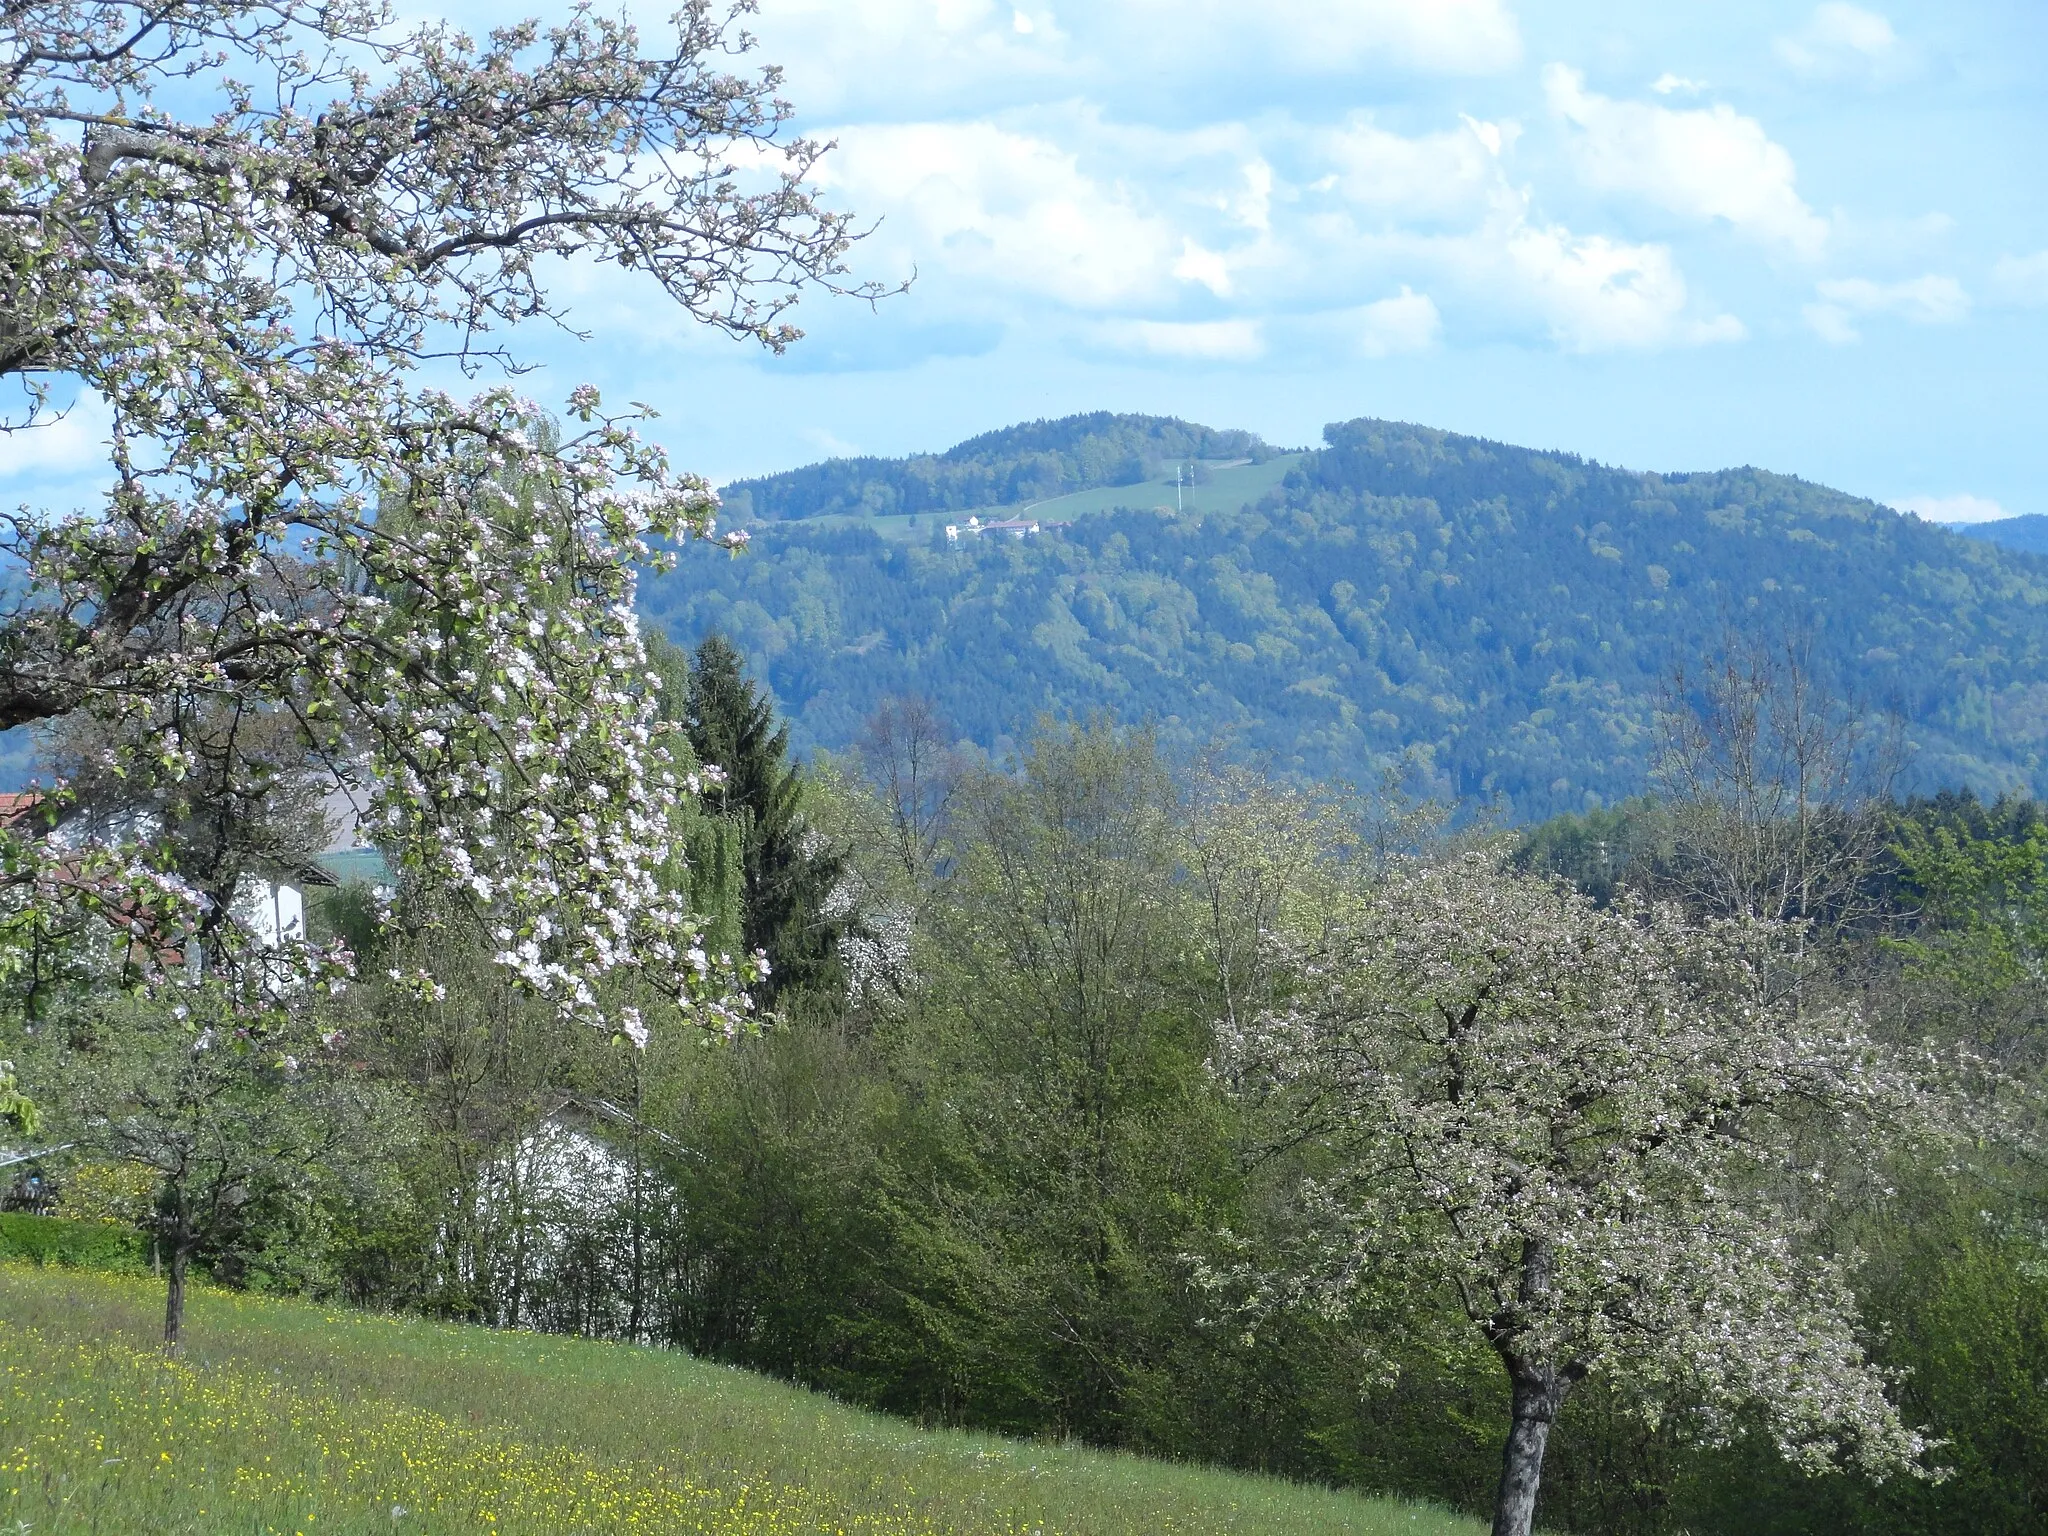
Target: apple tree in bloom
248	230
1580	1126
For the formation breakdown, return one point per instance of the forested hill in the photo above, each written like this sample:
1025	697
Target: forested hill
1505	616
997	469
2029	532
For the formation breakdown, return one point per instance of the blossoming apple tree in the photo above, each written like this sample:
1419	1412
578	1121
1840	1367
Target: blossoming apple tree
246	230
1580	1125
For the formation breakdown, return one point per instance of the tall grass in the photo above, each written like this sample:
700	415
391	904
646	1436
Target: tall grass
291	1419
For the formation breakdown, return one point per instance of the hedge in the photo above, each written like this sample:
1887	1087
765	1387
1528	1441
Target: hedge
102	1245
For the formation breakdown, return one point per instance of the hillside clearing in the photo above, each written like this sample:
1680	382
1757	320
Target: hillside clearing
1227	488
287	1417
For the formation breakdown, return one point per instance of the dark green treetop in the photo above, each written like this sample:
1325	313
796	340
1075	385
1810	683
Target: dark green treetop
787	871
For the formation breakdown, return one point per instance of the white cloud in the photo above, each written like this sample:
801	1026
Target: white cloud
1251	204
1442	208
1603	295
1929	300
1013	210
2021	279
1705	163
1448	37
1407	322
1209	341
1843	40
889	56
1668	84
1449	176
852	58
1831	324
1208	268
1962	508
1438	217
60	447
1219	241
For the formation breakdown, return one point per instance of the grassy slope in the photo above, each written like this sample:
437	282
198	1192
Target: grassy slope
290	1418
1226	490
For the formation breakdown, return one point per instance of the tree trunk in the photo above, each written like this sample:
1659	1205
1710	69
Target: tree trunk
174	1295
514	1184
636	1325
1539	1393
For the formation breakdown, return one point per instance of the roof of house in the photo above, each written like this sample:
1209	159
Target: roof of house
14	807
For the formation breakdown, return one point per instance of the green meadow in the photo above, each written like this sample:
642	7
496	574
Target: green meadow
287	1417
1227	488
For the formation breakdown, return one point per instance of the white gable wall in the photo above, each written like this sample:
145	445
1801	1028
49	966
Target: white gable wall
274	912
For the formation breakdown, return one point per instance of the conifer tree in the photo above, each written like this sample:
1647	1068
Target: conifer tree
788	872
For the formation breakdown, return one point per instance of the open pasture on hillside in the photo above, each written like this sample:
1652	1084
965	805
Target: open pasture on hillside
289	1418
1224	488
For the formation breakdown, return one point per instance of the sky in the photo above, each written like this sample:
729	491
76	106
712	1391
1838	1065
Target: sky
1668	234
1662	233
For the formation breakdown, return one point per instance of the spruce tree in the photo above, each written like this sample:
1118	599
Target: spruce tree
787	870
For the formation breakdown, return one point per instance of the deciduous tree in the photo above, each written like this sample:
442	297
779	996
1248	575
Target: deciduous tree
1772	781
229	1119
1574	1119
242	227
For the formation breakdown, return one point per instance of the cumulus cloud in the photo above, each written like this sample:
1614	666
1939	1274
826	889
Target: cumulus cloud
2021	279
1451	37
1407	322
1841	40
1929	300
1444	207
859	56
1237	237
1209	268
1207	341
1963	508
1015	210
1152	231
1451	176
1668	84
1601	294
1704	163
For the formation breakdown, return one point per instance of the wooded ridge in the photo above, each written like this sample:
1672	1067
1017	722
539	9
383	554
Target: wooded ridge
1502	619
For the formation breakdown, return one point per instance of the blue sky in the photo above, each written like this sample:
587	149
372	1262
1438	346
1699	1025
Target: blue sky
1671	235
1666	233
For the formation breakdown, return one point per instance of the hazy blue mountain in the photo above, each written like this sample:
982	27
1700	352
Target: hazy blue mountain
2029	533
1504	617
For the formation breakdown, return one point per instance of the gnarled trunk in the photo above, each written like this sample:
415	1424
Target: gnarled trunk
1539	1391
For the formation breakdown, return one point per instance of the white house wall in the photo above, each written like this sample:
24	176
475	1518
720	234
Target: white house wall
273	912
